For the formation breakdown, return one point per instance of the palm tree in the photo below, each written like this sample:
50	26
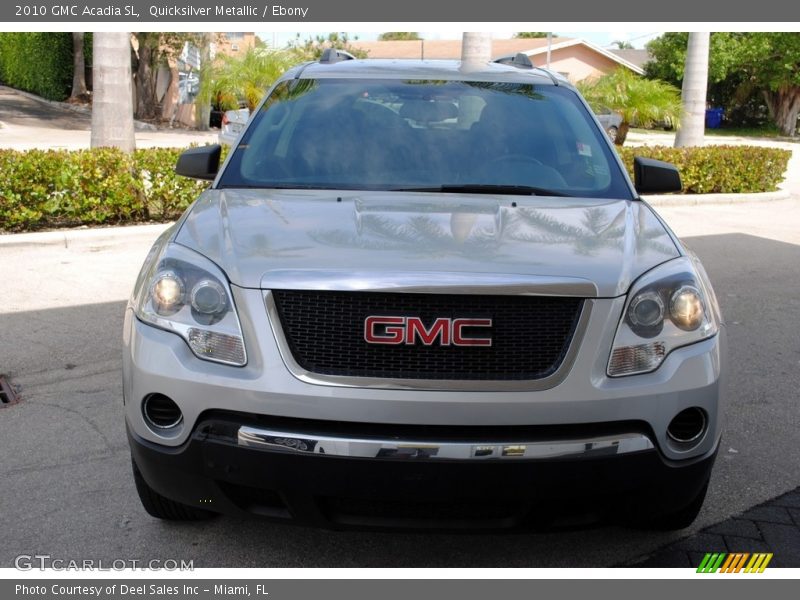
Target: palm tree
112	105
695	83
640	101
248	77
476	47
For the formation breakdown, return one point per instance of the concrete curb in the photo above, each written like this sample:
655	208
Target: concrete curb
71	237
700	199
137	125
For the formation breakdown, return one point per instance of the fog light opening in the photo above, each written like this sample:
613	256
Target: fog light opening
688	426
161	412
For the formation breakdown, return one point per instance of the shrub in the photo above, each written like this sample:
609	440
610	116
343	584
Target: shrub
59	188
62	188
719	169
51	188
38	62
167	194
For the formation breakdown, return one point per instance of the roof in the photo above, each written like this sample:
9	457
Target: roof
451	49
445	49
423	69
577	42
635	56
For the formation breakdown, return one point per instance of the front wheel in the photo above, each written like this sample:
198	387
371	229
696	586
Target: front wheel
160	507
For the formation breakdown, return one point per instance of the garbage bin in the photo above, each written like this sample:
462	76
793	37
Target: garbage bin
714	117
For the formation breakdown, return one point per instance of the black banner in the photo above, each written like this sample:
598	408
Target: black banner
398	589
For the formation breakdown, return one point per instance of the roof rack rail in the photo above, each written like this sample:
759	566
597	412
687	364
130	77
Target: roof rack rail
523	61
334	55
302	68
549	73
519	60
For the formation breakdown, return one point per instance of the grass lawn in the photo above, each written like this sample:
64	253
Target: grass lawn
767	131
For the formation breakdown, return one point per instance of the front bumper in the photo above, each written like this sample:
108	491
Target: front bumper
439	458
447	478
156	361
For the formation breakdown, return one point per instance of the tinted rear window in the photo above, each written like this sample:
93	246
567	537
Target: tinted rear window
394	134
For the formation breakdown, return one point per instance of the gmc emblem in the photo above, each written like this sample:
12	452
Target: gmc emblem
409	330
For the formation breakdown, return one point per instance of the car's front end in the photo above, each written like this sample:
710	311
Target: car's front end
484	356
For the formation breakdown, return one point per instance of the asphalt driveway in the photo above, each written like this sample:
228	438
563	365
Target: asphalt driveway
27	122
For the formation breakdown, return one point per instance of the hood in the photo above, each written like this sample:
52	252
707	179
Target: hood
264	238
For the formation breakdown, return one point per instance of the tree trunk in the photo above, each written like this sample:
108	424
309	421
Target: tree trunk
622	133
476	48
693	92
147	106
112	106
170	103
203	109
78	67
784	106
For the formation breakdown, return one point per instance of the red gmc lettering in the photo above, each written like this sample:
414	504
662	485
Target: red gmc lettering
409	330
460	340
393	330
440	329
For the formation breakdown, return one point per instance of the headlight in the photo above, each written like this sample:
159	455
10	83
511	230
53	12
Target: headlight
671	306
185	293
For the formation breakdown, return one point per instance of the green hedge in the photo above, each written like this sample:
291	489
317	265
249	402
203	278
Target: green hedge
62	188
38	62
719	169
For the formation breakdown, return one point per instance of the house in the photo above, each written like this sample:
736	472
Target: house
234	43
574	58
636	56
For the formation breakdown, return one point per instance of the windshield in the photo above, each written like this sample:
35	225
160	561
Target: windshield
444	136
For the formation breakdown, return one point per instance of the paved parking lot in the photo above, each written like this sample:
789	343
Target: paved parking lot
27	123
67	489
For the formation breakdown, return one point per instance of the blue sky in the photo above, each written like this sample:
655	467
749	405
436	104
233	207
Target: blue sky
604	39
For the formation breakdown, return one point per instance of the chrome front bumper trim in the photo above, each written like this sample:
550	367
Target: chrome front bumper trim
302	443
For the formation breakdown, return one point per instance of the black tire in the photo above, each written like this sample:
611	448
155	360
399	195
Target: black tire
160	507
679	519
612	132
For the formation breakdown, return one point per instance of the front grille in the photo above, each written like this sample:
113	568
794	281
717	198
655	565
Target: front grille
325	333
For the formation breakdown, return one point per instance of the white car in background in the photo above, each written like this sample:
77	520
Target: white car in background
233	122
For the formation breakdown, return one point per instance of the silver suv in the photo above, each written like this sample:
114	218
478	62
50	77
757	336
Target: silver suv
418	294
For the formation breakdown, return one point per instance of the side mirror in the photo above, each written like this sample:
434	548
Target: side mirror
652	176
199	163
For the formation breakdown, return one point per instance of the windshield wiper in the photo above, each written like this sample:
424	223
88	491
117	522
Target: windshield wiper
486	188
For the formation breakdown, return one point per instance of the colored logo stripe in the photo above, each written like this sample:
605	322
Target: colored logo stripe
758	563
734	563
711	562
